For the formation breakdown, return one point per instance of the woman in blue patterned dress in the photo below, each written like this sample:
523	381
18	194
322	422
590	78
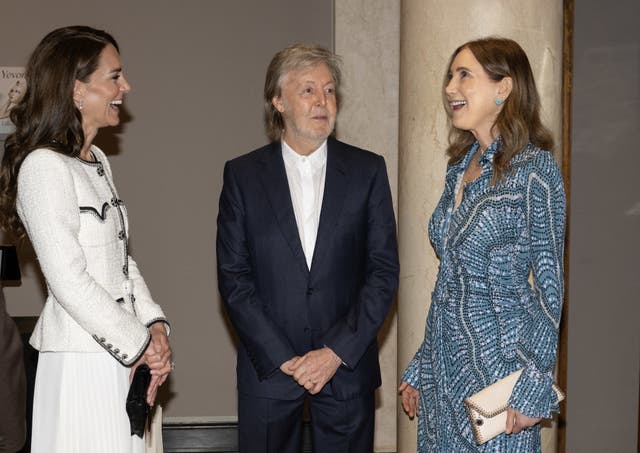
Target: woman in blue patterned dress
501	218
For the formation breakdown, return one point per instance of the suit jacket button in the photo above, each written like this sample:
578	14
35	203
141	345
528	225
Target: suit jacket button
309	291
306	330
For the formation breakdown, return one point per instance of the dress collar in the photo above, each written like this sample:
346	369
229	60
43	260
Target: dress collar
92	151
487	157
489	153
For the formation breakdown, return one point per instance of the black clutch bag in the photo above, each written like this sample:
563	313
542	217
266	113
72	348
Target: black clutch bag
137	408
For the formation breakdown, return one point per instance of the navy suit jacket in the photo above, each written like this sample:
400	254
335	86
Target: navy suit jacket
278	306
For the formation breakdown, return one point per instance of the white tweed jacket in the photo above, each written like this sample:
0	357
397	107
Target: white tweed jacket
79	230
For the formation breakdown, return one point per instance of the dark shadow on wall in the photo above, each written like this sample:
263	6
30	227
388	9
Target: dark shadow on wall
109	139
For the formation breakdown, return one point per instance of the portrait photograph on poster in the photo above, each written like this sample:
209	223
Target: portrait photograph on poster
12	88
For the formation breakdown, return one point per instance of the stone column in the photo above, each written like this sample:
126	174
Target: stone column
367	36
430	31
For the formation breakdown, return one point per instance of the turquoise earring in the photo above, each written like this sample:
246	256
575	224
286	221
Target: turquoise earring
499	101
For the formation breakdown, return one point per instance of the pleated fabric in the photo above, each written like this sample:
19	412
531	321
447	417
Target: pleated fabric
80	405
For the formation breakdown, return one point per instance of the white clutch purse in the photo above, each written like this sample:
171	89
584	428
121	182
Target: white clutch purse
487	409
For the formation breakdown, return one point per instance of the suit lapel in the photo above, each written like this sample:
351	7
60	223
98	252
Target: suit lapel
274	181
335	188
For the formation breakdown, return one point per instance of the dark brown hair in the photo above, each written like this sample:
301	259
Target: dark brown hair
47	117
519	120
294	58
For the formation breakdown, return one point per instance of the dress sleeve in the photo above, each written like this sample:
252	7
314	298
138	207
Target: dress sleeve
48	207
411	374
546	215
148	311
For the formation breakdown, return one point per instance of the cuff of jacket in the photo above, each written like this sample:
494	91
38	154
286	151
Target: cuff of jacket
343	341
411	375
162	320
266	364
533	394
342	362
121	356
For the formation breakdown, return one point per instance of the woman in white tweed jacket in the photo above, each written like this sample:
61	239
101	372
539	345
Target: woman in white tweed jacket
99	320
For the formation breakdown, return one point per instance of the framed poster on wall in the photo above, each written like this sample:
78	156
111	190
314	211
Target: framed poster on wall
12	88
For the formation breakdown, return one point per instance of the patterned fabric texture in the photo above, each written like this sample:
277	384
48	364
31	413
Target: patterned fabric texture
486	320
97	299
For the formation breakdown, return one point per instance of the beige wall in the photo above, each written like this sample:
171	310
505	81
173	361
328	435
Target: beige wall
367	36
197	69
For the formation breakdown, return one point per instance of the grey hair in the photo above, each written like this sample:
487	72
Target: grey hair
294	58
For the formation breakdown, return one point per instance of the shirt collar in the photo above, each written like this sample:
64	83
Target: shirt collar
490	152
317	159
485	161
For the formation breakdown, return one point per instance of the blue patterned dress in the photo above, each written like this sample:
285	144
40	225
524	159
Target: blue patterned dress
486	320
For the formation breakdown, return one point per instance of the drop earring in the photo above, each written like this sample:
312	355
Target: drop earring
499	100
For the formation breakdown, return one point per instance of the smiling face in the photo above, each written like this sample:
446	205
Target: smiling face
99	98
16	92
472	97
308	107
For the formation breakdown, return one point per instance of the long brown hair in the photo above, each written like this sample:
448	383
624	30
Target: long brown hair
47	117
519	120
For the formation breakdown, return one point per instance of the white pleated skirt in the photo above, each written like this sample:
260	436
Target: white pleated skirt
79	405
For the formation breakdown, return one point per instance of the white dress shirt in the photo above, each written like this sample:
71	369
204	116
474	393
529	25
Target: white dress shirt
306	176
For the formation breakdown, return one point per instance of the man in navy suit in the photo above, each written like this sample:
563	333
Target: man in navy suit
307	267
